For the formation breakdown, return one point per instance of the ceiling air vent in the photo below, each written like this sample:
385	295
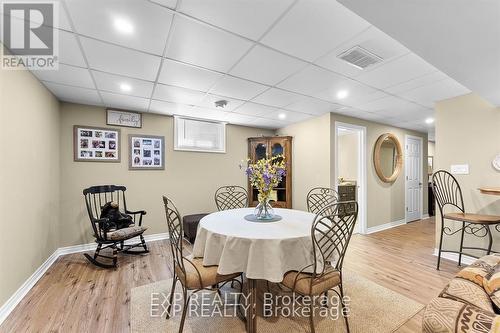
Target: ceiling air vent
360	57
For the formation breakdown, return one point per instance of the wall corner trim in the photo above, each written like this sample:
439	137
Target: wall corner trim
20	293
385	226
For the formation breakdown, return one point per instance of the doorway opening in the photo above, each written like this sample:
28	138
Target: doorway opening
350	168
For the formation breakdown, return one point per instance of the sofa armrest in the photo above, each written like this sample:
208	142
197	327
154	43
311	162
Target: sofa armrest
443	315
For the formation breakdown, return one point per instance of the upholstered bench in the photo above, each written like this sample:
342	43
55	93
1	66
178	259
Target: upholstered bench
470	302
190	225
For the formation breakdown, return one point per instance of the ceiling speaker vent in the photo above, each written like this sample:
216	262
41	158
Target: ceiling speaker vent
360	57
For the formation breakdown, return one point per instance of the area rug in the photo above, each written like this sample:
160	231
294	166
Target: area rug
372	307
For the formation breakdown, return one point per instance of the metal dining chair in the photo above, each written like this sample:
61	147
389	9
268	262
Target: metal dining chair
190	272
320	197
231	197
331	232
448	194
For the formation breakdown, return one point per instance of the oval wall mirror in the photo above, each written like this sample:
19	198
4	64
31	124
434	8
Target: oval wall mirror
388	157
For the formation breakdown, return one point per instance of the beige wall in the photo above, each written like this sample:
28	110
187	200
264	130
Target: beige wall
431	148
189	178
29	181
311	157
467	132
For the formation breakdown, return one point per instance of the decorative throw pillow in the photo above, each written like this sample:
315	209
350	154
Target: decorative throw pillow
491	285
477	271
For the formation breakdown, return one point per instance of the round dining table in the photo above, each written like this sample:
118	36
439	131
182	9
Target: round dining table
260	250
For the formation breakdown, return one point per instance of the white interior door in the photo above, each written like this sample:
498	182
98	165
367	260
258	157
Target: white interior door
413	162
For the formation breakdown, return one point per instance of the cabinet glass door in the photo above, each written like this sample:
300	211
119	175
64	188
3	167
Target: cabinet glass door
260	151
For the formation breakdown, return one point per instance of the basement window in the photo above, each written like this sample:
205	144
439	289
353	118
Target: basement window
199	135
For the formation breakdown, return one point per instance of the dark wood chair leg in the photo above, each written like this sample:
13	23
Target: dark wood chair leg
144	245
461	245
115	255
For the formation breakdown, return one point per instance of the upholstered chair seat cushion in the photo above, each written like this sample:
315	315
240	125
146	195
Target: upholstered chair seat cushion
477	271
320	284
126	233
208	274
443	315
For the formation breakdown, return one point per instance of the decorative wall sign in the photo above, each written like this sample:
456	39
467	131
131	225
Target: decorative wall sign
123	118
94	144
146	152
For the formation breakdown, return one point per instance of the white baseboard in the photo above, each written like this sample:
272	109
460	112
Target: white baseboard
467	260
385	226
425	216
14	300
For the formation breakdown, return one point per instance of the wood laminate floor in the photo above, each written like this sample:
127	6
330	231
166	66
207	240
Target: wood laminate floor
74	296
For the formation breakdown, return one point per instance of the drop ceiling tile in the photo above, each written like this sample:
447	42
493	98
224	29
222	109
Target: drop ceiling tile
364	99
166	3
118	60
264	65
312	106
312	28
150	23
429	94
209	103
74	94
178	95
69	50
400	70
254	109
238	119
355	91
417	82
201	113
69	75
162	107
372	40
360	114
187	76
247	18
199	44
124	102
237	88
390	104
112	83
277	97
269	123
289	116
310	80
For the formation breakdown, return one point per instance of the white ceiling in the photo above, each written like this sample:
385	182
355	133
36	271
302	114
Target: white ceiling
275	62
460	37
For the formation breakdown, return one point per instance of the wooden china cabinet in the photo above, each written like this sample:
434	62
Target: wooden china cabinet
261	147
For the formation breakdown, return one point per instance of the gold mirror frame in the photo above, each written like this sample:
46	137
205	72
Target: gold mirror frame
399	158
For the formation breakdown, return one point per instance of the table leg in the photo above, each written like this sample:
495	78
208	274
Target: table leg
252	299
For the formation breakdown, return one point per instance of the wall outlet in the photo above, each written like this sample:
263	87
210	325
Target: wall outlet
460	169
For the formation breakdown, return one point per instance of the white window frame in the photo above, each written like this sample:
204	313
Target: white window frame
197	149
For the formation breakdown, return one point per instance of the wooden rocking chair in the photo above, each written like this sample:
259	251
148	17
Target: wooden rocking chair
95	198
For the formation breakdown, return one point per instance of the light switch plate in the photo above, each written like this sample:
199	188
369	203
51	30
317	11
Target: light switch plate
460	169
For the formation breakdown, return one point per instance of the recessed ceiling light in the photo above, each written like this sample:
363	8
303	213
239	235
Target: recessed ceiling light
123	25
341	94
282	116
125	87
429	120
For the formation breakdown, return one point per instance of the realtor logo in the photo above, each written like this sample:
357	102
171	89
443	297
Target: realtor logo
29	35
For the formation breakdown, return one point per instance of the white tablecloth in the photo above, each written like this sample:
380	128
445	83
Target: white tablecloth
260	250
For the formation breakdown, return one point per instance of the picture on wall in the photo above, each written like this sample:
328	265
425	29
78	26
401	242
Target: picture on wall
146	152
123	118
93	144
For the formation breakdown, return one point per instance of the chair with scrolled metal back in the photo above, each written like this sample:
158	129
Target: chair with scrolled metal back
96	197
331	232
231	197
320	197
448	193
190	272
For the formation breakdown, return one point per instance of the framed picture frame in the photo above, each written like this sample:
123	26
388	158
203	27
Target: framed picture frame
146	152
96	144
123	118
